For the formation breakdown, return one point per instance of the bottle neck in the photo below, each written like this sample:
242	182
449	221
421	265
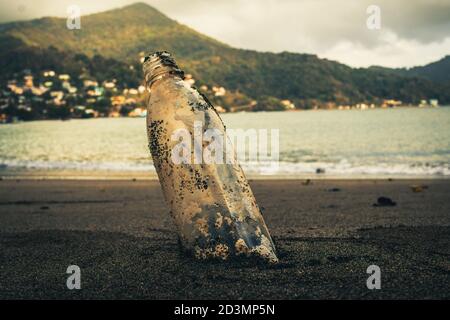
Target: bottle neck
159	65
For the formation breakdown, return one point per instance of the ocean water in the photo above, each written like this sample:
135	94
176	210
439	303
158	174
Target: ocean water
402	142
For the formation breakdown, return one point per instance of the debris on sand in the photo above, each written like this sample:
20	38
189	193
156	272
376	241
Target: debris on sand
418	188
307	182
334	190
384	202
320	170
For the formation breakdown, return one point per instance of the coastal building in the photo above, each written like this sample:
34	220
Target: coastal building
38	91
49	73
362	106
141	89
90	83
141	56
64	77
219	91
91	113
15	89
288	105
28	81
109	85
434	103
423	103
73	90
130	101
138	113
114	114
391	103
117	100
52	90
95	92
189	79
220	109
58	98
57	94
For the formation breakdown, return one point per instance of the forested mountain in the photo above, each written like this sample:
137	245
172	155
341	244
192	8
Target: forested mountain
108	43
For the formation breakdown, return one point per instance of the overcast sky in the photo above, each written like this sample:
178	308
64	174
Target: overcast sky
413	32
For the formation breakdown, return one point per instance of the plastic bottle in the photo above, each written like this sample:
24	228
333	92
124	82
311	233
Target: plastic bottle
212	205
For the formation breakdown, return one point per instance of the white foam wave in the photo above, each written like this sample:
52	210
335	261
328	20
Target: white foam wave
82	166
266	169
345	168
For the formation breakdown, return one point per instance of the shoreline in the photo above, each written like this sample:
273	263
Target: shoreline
353	108
154	177
151	175
245	111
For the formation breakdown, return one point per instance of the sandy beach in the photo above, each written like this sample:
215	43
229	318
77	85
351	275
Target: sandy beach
327	233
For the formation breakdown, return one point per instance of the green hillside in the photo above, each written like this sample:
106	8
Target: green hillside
115	38
120	34
438	71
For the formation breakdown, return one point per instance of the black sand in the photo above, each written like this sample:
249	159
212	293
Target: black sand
327	234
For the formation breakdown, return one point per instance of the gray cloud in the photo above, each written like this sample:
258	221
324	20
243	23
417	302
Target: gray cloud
424	21
413	32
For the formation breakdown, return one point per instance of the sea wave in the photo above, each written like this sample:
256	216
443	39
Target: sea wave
281	168
77	166
349	169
